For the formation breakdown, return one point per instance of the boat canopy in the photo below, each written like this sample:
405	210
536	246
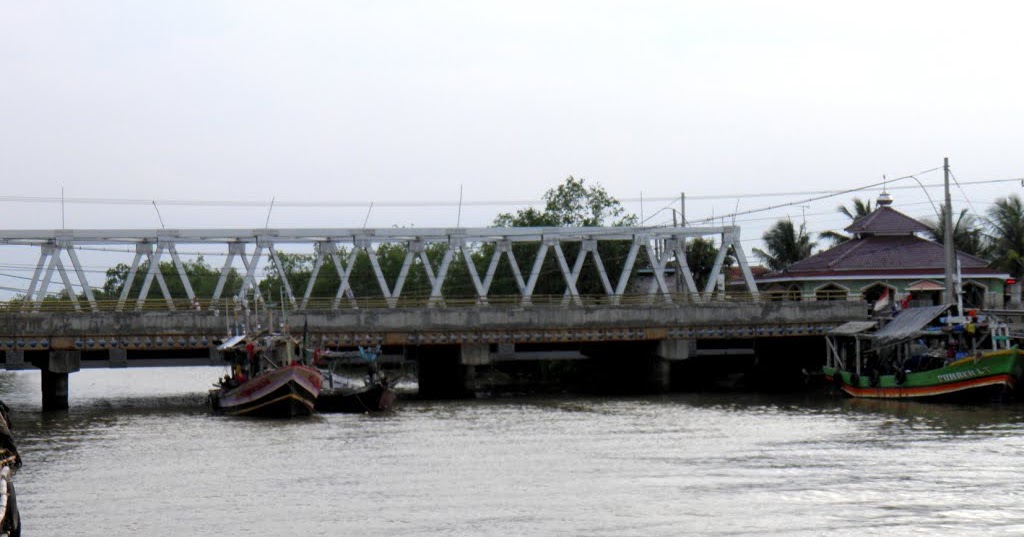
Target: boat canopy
852	328
230	344
908	323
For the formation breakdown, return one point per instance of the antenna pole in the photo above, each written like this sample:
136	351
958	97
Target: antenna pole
267	224
158	215
458	219
367	219
947	239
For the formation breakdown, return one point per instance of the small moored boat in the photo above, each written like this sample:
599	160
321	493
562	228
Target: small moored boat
376	394
267	380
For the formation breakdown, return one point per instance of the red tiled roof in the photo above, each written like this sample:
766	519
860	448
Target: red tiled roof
735	274
886	221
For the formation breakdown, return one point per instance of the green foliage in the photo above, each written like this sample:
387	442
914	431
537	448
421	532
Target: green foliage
363	280
1005	224
570	204
968	237
785	245
700	256
201	276
860	208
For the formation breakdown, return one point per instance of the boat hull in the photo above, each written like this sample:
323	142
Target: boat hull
282	393
376	398
993	376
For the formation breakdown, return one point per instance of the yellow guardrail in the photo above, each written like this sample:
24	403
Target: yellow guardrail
379	302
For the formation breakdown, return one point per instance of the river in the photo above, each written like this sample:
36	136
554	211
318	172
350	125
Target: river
138	454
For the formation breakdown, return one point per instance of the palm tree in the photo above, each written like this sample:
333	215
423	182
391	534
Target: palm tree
967	233
1005	225
860	208
785	245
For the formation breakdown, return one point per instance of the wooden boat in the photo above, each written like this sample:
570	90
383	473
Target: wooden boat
376	397
376	394
925	354
268	380
10	461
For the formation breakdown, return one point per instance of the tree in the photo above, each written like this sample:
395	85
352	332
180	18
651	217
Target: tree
860	208
700	256
785	245
571	204
1005	223
968	237
363	280
201	276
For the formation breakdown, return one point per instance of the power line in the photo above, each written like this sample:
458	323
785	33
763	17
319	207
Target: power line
973	210
816	198
454	203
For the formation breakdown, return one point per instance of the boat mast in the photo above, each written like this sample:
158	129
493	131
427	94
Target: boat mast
947	239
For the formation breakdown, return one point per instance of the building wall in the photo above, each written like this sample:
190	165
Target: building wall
808	290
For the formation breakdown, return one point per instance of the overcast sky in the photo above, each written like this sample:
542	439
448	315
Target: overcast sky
411	101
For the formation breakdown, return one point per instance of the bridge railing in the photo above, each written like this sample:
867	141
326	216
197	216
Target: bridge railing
405	301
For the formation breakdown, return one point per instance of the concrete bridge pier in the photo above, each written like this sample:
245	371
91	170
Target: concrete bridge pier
443	374
118	357
55	370
14	358
667	353
627	367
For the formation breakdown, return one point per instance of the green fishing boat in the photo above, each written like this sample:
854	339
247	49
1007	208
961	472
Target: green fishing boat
941	352
925	354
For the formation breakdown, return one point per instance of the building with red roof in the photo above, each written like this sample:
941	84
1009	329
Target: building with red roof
885	261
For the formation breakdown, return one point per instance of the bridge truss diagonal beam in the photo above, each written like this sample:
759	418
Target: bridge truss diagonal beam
435	250
50	258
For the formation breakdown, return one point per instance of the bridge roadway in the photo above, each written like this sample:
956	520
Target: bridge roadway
650	304
62	342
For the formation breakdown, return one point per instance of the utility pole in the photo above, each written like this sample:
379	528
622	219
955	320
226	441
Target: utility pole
947	239
682	209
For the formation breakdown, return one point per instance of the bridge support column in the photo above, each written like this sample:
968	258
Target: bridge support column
118	357
666	354
660	375
674	349
627	367
442	374
14	358
55	372
475	354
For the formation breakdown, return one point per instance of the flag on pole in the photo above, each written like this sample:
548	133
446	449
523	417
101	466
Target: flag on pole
883	301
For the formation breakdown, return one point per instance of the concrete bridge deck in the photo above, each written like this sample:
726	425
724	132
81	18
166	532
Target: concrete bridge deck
180	330
445	342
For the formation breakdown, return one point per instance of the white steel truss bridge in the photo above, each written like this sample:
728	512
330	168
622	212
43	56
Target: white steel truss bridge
659	249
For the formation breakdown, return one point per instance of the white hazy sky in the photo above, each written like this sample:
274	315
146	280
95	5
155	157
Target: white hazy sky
401	101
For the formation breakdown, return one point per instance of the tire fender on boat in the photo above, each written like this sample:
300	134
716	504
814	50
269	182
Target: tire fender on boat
874	378
854	380
901	376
